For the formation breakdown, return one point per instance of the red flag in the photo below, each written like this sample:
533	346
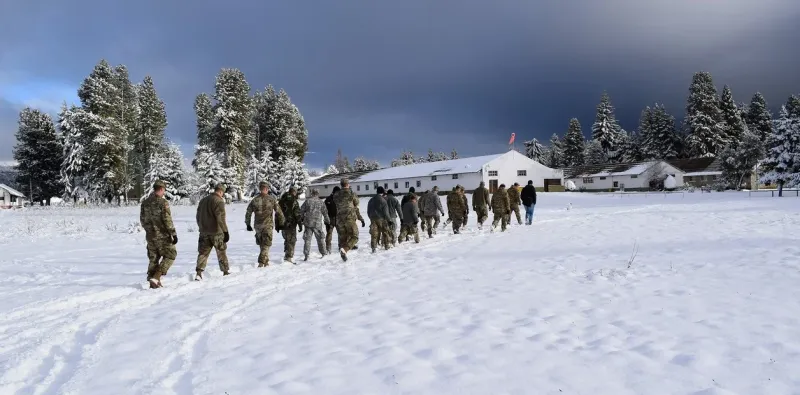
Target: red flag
513	136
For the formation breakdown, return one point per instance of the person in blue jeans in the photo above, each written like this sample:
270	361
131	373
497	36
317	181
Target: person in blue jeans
528	197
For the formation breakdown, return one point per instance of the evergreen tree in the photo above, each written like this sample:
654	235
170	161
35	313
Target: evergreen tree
454	154
594	153
659	139
258	170
706	137
166	164
205	122
127	113
342	164
209	168
281	125
74	165
650	148
732	124
406	158
148	138
293	174
535	150
555	153
758	118
361	164
263	115
332	170
574	144
436	156
782	164
605	128
38	154
631	147
740	160
232	123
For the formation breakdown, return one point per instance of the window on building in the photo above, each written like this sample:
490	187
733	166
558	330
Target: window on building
588	180
406	184
326	186
492	173
455	176
385	185
602	178
376	185
395	186
616	184
366	187
433	178
522	173
419	183
358	187
634	176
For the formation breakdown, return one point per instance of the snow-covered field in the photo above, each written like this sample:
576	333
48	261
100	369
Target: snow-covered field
709	305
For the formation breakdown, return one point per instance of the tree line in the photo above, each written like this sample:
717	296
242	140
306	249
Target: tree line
112	144
743	136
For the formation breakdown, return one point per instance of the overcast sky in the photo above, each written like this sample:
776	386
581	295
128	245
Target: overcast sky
374	77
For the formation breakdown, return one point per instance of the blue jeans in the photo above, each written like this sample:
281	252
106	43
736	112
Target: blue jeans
529	214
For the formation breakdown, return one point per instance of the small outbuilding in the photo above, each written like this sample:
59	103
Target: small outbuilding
632	176
10	197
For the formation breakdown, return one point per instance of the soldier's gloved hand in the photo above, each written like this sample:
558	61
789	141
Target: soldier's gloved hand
174	239
249	228
300	229
363	224
226	237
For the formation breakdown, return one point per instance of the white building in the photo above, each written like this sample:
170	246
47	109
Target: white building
636	176
494	170
10	197
700	172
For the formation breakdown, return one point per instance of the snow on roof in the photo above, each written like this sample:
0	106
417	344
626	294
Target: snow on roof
426	169
11	190
609	170
702	173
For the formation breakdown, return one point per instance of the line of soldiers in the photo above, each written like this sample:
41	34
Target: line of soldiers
317	219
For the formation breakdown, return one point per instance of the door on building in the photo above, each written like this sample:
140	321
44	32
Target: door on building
492	186
551	181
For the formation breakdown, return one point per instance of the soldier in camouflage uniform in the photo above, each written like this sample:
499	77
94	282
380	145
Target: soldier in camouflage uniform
514	201
330	205
314	216
464	200
411	193
480	202
501	208
213	231
395	211
455	209
379	217
408	225
346	215
432	209
156	219
265	208
291	214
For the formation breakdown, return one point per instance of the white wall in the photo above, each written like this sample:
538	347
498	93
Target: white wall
508	165
629	182
444	182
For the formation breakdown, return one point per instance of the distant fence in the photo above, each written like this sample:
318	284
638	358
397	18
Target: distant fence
774	193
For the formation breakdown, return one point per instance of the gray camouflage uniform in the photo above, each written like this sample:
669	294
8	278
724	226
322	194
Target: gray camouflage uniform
314	216
394	212
432	209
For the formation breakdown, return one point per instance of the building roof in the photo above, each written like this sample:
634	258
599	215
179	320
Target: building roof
607	170
706	166
425	169
12	190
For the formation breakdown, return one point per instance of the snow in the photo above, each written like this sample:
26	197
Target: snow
703	173
426	169
709	305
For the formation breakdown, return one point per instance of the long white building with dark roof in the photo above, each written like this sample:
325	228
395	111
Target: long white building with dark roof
506	168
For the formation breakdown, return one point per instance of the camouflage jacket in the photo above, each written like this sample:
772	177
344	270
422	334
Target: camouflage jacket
480	197
465	201
513	197
347	205
455	205
394	208
313	214
431	204
156	218
378	209
211	215
410	213
266	210
500	202
291	210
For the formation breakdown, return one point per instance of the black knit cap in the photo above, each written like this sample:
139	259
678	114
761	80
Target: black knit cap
390	192
381	191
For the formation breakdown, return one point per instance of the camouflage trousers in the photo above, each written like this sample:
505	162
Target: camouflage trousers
431	223
204	246
379	232
308	233
458	222
501	219
482	213
161	255
289	234
347	230
393	231
329	237
408	230
264	242
515	210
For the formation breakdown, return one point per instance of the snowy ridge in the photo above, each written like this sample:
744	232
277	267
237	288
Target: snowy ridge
542	309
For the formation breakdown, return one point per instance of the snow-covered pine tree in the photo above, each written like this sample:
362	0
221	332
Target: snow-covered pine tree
454	154
574	144
342	164
759	118
332	170
594	153
406	158
660	140
263	114
740	160
232	123
38	154
555	153
166	164
74	161
706	137
630	146
204	114
283	126
208	166
258	170
359	164
732	123
148	137
605	128
782	163
127	112
293	174
534	150
646	131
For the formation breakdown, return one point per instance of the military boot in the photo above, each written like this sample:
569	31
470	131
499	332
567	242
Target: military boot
198	276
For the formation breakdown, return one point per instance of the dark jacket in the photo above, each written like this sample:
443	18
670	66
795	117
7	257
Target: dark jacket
394	208
330	205
211	216
528	195
406	198
480	197
410	213
291	210
378	209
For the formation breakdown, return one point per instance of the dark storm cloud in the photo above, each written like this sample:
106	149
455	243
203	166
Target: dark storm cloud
373	77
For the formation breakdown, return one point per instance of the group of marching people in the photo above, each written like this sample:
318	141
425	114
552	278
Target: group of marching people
317	218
